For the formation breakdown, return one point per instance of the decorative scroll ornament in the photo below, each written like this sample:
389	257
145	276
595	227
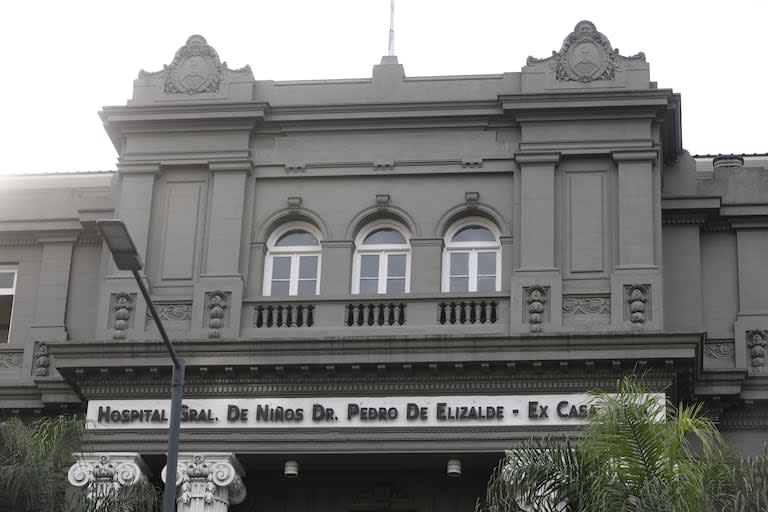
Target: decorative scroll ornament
123	306
637	296
11	359
587	306
106	473
42	362
756	342
217	302
195	69
173	312
719	350
536	297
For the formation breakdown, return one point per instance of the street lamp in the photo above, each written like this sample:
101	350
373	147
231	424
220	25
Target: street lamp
126	257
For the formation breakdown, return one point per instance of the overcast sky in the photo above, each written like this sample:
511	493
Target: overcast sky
64	60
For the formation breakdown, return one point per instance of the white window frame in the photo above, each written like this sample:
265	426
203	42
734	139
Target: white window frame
13	269
472	248
382	251
295	252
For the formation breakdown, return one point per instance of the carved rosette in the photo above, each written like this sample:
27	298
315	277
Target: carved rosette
637	297
102	474
217	303
536	297
123	309
195	69
756	342
208	482
42	361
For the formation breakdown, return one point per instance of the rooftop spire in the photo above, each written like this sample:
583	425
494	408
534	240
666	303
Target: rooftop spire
391	50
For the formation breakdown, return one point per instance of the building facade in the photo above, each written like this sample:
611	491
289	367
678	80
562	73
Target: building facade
379	285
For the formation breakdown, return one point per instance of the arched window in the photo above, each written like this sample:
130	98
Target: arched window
472	257
292	266
382	259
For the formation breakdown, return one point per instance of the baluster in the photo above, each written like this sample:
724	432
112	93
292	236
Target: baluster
270	315
350	314
401	314
300	315
259	316
371	312
360	314
472	312
391	316
311	315
441	313
279	315
288	315
462	312
483	312
493	312
453	312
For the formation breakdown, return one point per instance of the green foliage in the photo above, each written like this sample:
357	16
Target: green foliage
34	460
637	454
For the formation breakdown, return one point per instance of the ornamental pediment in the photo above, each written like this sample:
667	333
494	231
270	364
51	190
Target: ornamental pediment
586	60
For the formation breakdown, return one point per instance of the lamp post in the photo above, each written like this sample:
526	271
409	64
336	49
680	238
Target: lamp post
126	257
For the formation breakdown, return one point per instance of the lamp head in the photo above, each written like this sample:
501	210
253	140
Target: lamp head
115	233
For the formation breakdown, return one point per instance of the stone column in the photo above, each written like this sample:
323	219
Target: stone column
208	482
104	473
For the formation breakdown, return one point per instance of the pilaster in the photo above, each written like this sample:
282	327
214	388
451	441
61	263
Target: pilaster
336	267
53	287
426	253
208	482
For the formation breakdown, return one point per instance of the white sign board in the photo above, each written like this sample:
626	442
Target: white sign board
346	412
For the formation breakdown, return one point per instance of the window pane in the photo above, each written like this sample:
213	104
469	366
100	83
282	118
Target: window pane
459	284
384	236
6	279
369	265
486	284
280	288
396	286
396	265
307	287
369	286
474	234
297	237
459	263
486	263
6	305
307	267
281	268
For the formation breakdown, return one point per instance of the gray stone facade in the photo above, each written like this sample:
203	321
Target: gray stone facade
610	250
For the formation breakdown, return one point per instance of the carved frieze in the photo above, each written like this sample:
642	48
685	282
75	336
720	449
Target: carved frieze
122	305
11	359
173	312
216	303
586	305
757	340
719	350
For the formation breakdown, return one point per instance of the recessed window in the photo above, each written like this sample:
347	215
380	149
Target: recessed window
7	292
472	257
292	266
382	260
